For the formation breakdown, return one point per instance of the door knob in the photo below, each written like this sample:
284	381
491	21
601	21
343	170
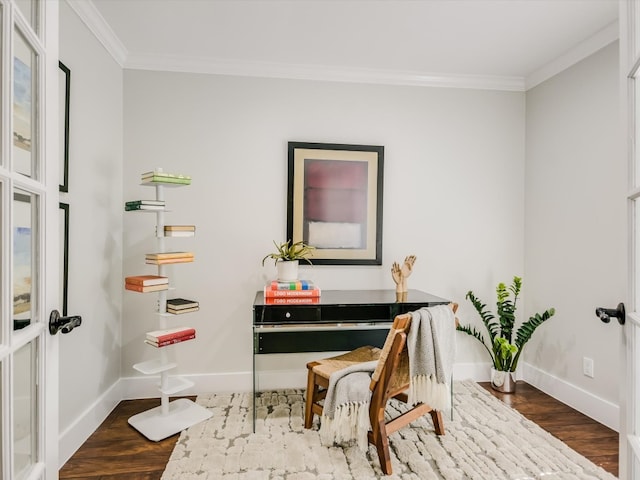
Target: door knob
63	324
605	314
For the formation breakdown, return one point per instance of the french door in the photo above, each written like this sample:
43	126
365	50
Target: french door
630	381
29	242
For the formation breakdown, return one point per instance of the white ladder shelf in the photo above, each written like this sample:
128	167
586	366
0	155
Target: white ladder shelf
168	418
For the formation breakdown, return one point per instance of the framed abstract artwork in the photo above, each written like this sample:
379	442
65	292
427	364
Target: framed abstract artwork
334	201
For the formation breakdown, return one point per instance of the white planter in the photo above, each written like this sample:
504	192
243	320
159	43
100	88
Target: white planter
504	382
287	270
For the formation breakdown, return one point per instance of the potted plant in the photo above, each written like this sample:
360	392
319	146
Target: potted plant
504	354
287	257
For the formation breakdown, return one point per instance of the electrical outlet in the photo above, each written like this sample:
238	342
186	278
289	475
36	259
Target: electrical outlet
587	366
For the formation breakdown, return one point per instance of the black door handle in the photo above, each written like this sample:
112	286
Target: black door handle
605	314
63	324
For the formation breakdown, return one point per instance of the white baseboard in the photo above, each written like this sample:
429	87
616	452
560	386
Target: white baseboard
602	411
147	387
72	438
478	372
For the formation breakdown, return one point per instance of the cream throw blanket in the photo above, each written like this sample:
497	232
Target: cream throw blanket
431	347
345	413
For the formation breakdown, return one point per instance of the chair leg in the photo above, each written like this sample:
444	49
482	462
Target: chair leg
438	421
312	392
381	441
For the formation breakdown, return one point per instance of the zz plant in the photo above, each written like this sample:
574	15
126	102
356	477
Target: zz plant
504	352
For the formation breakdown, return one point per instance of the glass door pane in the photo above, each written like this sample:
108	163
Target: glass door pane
29	9
24	258
25	111
2	417
25	410
636	133
3	160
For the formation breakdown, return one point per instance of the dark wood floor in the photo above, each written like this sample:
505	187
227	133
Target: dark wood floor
586	436
116	451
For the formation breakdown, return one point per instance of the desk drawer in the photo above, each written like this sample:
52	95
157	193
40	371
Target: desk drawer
287	314
317	340
356	313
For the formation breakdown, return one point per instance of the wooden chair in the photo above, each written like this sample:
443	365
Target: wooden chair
389	380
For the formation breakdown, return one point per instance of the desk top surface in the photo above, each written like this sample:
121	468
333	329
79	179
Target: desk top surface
361	297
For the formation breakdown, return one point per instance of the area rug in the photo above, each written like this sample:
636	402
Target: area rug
485	440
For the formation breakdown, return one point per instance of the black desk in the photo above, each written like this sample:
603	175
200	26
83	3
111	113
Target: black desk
341	320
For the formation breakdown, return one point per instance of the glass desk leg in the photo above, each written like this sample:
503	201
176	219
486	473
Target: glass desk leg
253	397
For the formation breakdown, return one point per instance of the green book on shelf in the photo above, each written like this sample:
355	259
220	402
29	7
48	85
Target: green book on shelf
129	208
133	203
165	175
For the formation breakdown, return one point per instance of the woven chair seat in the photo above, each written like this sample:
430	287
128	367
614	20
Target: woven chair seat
325	367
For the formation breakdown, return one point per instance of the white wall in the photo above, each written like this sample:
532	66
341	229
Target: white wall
90	355
575	224
453	196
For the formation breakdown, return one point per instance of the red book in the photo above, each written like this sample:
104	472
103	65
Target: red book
268	293
172	341
158	336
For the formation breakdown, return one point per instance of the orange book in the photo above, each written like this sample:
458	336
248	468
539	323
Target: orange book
146	280
292	301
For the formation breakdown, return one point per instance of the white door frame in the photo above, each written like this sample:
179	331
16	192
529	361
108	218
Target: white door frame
629	443
43	184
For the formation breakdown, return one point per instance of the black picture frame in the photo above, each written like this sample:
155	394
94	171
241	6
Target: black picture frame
65	91
334	201
64	223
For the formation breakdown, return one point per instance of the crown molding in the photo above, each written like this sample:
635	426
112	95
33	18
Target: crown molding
591	45
95	22
174	63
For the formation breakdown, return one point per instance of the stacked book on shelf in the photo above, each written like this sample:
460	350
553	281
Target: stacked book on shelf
153	205
163	258
162	338
298	292
146	283
178	306
179	230
158	176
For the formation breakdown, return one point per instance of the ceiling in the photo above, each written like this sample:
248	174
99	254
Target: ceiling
508	42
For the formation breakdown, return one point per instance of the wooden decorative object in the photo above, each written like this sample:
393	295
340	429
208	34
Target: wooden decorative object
401	273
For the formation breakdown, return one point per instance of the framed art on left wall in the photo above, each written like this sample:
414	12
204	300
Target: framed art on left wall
64	257
334	201
64	83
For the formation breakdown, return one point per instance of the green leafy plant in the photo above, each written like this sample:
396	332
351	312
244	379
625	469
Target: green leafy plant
503	352
288	251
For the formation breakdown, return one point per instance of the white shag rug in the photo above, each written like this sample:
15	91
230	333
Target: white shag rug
486	440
